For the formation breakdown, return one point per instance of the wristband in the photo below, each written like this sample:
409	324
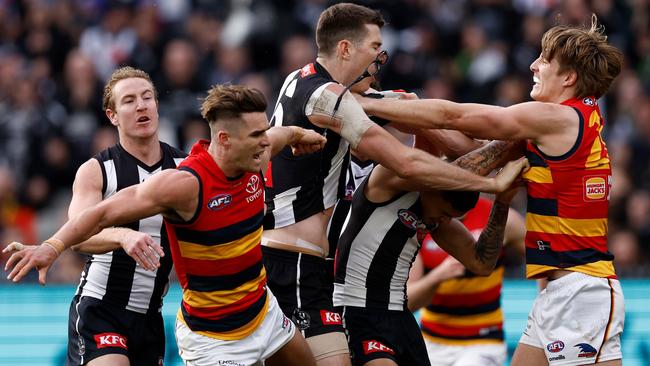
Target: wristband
55	244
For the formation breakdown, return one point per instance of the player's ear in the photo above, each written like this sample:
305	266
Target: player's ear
343	49
223	137
112	116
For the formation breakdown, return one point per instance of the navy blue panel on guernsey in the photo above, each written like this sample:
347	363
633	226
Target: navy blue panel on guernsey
227	282
472	310
227	323
223	235
491	334
542	206
567	258
535	160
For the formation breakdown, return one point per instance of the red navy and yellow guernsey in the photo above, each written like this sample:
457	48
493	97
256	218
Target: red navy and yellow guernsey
466	310
217	254
568	202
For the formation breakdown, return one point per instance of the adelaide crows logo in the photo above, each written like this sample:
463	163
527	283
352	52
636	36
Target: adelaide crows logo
586	350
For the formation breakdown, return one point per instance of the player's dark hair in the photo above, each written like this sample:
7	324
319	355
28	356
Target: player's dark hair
461	201
344	21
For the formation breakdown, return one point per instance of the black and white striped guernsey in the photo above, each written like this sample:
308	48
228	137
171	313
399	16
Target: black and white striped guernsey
297	187
375	251
114	277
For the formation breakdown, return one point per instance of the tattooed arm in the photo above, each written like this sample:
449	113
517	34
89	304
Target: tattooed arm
491	156
479	256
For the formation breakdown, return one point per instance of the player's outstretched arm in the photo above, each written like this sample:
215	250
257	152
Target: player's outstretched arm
531	120
87	192
171	192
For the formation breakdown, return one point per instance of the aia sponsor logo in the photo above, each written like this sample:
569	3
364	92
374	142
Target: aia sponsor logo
216	203
589	101
307	70
595	188
330	317
104	340
586	350
408	218
375	346
555	347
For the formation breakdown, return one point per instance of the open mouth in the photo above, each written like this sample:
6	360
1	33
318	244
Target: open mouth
143	119
258	156
535	79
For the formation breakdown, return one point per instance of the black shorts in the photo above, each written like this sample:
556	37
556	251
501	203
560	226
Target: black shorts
374	334
96	329
309	304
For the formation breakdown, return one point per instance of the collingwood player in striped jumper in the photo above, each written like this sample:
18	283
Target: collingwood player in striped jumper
379	244
115	314
568	192
302	191
213	208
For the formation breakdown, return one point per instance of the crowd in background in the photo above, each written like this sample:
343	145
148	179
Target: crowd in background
55	56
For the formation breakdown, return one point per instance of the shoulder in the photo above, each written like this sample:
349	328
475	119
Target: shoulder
172	151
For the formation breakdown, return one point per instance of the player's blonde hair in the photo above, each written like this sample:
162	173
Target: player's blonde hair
108	102
586	52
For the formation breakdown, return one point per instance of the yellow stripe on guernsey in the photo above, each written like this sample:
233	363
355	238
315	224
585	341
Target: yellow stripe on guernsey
594	161
596	269
235	334
538	174
214	299
232	249
493	317
461	342
471	285
558	225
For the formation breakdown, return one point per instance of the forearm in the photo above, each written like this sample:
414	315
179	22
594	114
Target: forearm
485	159
105	241
435	174
279	137
420	292
424	113
80	228
489	244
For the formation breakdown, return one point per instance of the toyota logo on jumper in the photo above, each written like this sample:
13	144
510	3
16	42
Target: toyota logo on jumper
253	184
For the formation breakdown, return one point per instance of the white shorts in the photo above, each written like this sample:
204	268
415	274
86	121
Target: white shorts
471	355
198	350
577	320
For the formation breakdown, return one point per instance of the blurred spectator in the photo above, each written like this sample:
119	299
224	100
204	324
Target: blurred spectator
54	56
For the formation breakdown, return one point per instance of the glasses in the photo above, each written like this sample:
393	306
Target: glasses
372	69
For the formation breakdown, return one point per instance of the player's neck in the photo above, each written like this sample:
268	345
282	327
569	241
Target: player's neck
147	150
229	169
335	68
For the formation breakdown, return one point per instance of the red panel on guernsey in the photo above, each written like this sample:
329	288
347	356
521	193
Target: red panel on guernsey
217	254
568	201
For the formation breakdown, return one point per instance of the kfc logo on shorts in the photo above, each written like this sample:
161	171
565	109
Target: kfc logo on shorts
375	346
586	350
330	317
218	202
595	188
555	347
408	218
253	184
104	340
